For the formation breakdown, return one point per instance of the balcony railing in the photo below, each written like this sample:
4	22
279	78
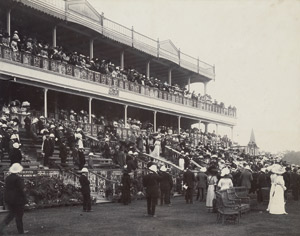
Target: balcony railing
114	83
122	34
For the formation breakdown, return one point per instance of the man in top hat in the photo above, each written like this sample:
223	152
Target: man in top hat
85	190
15	198
151	183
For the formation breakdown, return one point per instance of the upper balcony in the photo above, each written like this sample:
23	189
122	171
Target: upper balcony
41	71
81	17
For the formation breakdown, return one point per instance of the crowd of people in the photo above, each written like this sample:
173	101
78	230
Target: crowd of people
37	47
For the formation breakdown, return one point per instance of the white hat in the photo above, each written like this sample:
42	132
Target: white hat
278	170
16	145
52	135
35	120
153	168
60	128
130	153
203	169
163	168
52	126
91	154
84	170
135	153
247	167
1	136
225	171
15	168
78	130
42	117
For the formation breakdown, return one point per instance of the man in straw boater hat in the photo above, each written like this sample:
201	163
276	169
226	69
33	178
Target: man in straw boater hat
15	198
151	183
85	190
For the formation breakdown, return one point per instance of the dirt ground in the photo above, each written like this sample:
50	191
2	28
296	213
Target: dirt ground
178	219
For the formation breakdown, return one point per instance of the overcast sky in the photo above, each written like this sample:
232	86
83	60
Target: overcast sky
255	46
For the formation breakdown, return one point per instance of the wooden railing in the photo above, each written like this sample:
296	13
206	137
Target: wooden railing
115	83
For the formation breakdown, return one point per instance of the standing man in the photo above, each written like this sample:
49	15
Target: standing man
85	190
151	183
188	181
246	178
166	185
201	184
15	198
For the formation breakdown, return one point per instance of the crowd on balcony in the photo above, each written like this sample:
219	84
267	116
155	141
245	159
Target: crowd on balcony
40	48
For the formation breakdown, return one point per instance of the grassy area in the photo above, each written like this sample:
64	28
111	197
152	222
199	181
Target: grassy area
179	219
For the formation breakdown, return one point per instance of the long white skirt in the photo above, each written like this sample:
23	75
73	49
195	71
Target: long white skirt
277	205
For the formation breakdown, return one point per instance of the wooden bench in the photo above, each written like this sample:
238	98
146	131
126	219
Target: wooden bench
241	199
227	210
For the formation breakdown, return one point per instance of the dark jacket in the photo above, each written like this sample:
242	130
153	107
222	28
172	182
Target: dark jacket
15	156
14	190
189	178
166	182
85	184
151	183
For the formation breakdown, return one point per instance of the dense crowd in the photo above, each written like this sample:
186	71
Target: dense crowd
37	47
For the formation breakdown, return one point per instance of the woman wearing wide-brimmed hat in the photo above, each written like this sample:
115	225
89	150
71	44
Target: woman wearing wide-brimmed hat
277	205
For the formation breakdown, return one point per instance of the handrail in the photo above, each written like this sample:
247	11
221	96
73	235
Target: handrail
100	176
192	161
161	160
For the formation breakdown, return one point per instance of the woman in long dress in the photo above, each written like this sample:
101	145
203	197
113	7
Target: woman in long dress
277	205
156	150
225	182
272	177
211	182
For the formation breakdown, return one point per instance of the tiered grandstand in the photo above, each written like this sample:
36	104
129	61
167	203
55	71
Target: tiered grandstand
99	86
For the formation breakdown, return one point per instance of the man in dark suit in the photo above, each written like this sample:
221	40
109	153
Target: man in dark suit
15	198
85	190
151	183
166	186
188	181
47	150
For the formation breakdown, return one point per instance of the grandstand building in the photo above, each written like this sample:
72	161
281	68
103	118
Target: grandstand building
75	26
62	56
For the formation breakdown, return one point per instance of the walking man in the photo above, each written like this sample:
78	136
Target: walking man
15	198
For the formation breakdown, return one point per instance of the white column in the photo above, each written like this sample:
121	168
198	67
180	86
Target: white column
125	114
54	36
91	49
206	127
179	117
122	60
154	121
148	69
217	129
8	21
231	133
90	110
170	76
189	83
205	87
45	103
199	125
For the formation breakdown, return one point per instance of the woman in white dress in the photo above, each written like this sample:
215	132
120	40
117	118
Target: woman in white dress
212	181
277	205
156	150
272	177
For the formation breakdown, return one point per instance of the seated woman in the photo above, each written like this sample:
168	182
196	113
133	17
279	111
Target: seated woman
225	182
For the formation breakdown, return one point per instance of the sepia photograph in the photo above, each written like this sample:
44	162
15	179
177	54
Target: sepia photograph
150	118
